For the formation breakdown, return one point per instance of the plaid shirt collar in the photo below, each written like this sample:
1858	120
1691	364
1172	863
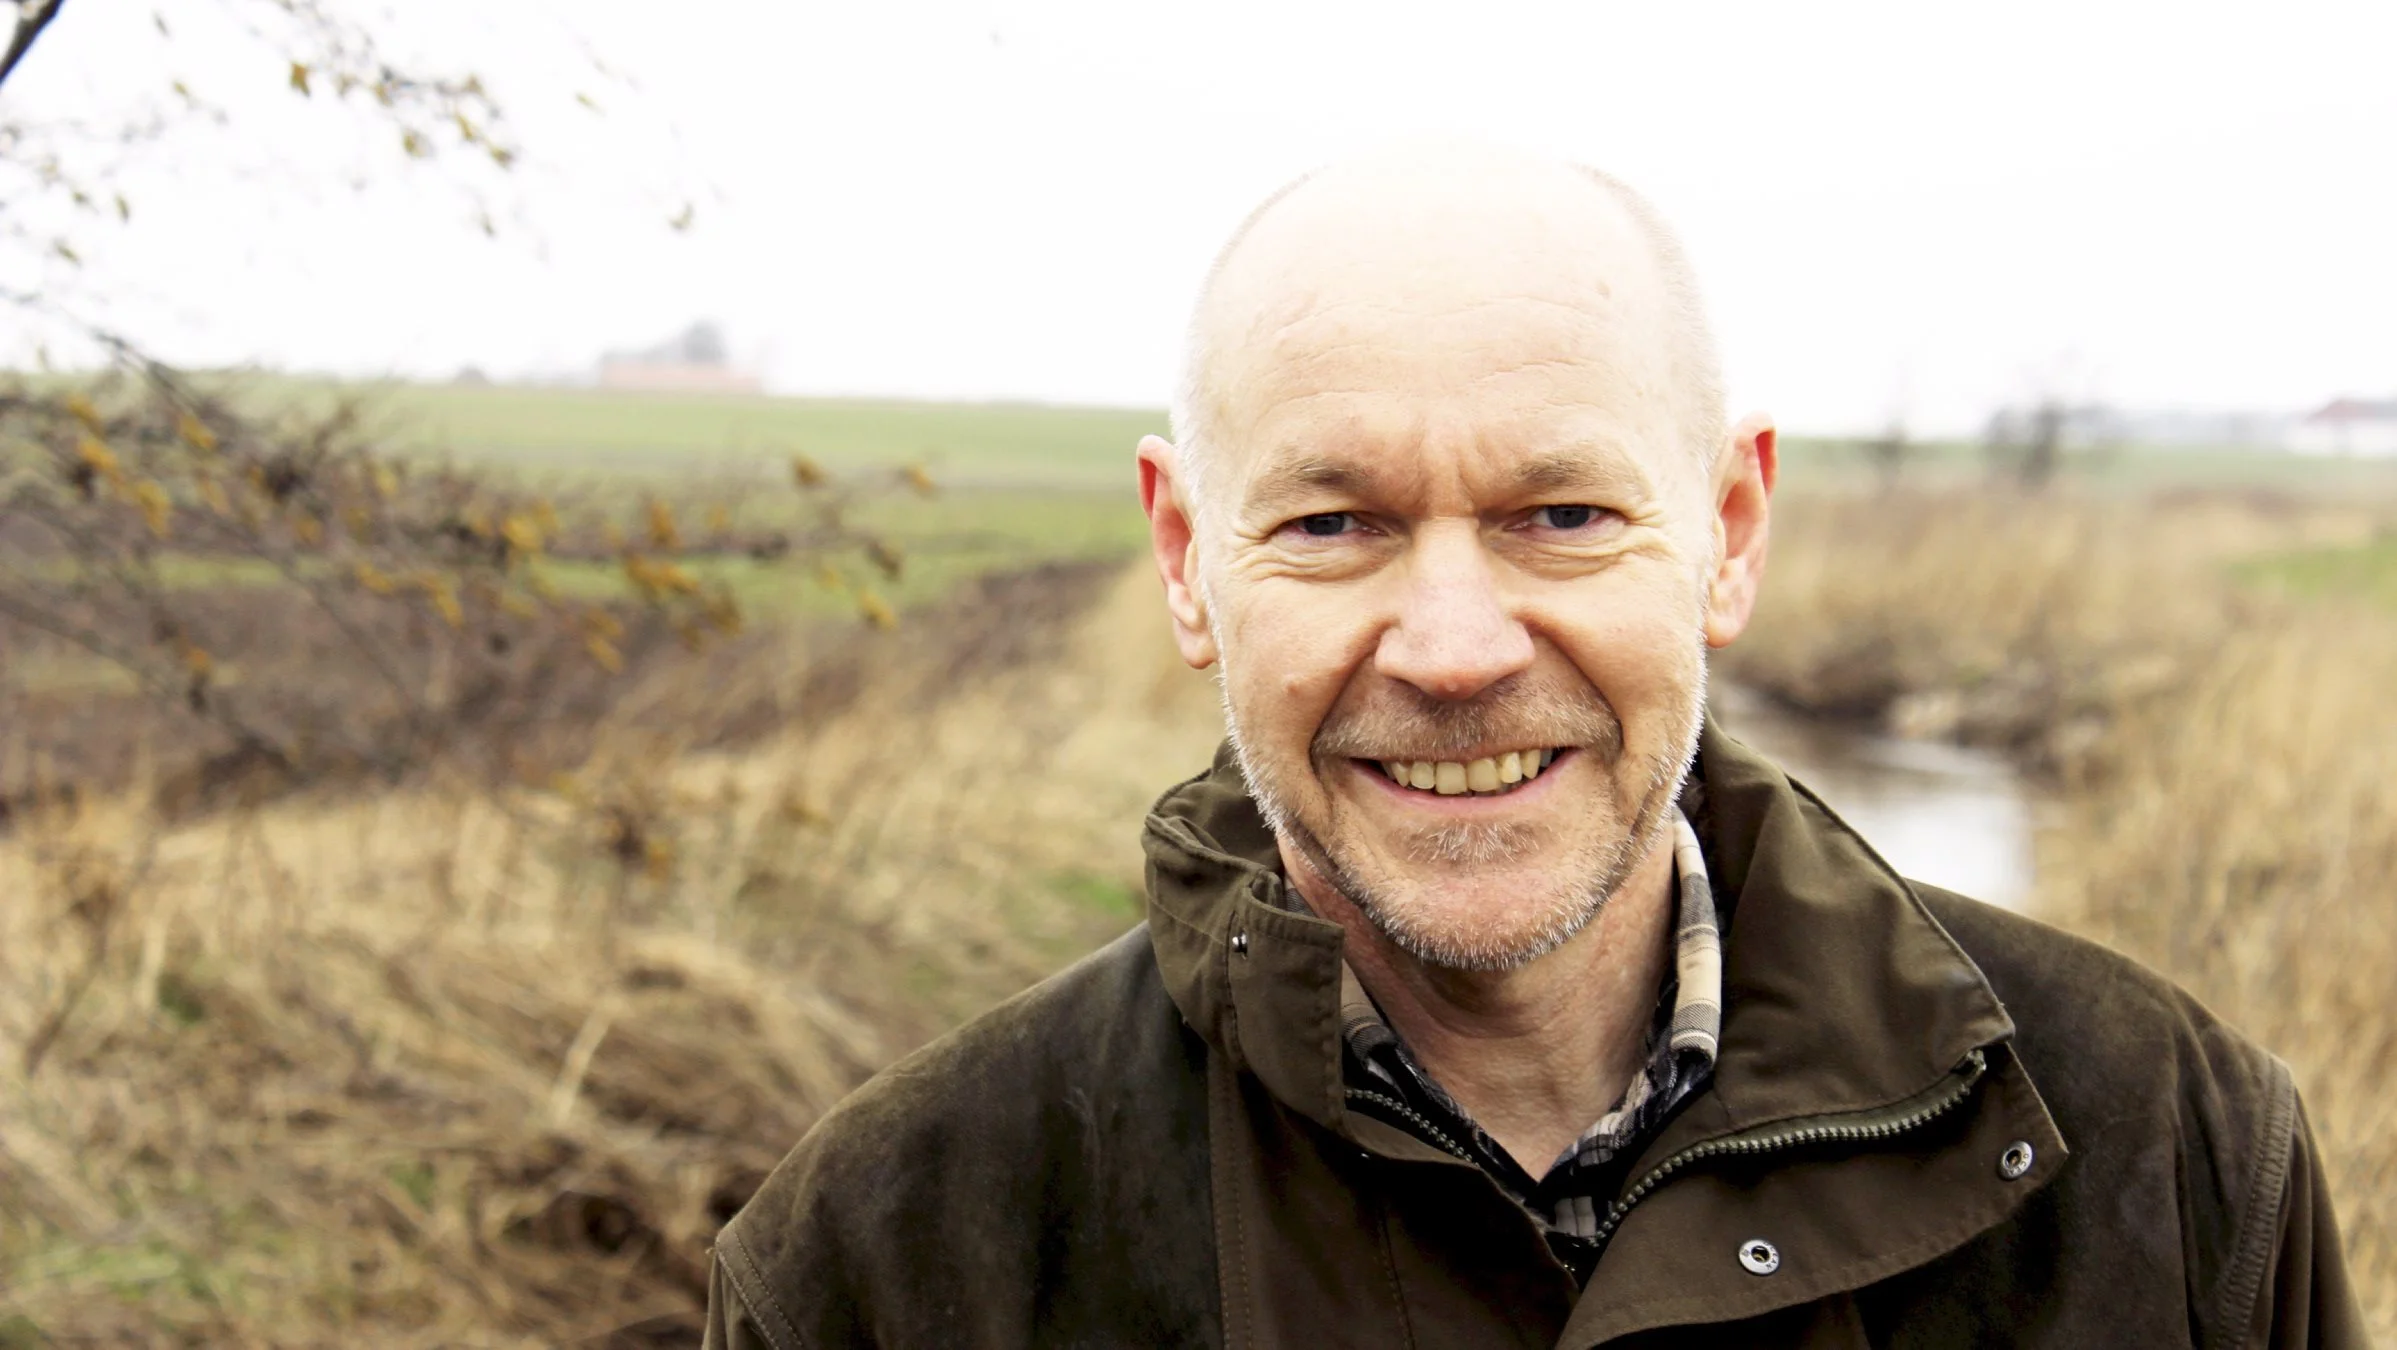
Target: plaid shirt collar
1571	1197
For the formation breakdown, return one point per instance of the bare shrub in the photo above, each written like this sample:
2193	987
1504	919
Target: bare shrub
319	608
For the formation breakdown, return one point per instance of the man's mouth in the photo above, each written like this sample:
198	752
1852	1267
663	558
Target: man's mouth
1491	776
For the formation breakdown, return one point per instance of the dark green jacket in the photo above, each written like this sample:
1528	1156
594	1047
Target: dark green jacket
1152	1148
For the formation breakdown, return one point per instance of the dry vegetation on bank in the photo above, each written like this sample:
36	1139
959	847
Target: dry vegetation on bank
456	1063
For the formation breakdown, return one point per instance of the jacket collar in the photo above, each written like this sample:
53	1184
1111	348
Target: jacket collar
1841	992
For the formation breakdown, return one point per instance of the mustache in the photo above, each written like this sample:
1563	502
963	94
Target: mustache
1392	721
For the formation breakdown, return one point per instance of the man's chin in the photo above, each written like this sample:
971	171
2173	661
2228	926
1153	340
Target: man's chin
1494	913
1455	932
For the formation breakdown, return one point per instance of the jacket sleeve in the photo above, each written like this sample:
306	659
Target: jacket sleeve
2306	1299
730	1324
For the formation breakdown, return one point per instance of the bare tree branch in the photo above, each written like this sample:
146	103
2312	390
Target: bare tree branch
32	17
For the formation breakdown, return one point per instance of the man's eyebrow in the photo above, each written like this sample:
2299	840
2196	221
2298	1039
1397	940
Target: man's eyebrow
1597	470
1590	469
1310	476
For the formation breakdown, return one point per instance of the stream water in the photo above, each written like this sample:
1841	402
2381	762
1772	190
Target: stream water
1944	814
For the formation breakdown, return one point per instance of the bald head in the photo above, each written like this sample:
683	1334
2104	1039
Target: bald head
1449	261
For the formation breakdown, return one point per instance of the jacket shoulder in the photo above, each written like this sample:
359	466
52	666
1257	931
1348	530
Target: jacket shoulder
1038	1175
2181	1126
2093	1012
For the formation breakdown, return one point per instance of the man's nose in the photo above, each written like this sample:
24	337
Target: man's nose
1454	635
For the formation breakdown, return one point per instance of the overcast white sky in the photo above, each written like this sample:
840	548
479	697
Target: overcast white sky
1926	208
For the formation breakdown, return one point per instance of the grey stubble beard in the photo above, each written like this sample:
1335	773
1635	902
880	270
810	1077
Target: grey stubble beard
1564	914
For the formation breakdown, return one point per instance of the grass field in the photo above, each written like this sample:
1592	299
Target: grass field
575	431
943	540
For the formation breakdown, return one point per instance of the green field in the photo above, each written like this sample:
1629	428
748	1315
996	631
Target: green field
2368	571
552	430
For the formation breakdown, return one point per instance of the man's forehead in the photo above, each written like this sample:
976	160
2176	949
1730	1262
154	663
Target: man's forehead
1409	244
1497	286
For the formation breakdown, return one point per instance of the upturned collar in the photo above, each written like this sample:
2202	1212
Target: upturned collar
1841	992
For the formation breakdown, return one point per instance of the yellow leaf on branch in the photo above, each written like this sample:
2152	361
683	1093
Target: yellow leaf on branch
156	509
103	461
437	589
195	433
662	532
523	534
876	610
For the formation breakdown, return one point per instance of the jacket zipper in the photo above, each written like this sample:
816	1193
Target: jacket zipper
1854	1127
1425	1129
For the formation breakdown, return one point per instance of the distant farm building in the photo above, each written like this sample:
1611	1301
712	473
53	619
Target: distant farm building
2348	426
693	362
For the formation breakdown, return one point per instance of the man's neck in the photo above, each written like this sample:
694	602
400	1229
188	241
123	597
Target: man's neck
1537	1053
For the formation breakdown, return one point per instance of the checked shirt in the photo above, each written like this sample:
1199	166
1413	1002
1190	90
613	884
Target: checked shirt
1571	1198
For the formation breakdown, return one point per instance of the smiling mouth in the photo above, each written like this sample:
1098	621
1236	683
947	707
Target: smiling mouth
1493	776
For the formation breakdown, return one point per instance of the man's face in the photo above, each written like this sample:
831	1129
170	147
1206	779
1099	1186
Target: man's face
1458	588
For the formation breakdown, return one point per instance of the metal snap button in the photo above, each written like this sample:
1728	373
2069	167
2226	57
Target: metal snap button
1240	943
2015	1161
1759	1256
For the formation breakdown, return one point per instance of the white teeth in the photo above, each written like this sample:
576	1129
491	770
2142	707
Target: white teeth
1488	776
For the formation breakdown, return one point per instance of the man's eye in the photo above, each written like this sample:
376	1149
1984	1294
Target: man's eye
1565	517
1326	524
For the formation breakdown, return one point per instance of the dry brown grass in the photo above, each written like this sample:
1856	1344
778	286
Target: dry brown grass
2224	760
461	1065
452	1066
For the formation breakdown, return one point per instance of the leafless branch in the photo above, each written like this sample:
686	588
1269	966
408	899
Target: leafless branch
32	17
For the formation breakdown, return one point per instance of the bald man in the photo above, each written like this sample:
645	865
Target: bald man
1490	994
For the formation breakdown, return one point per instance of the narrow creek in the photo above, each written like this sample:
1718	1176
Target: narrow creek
1945	814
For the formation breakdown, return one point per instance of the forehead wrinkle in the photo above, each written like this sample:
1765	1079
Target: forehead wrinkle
1292	353
1287	330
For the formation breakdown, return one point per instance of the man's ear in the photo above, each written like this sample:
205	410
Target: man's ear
1743	511
1173	539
